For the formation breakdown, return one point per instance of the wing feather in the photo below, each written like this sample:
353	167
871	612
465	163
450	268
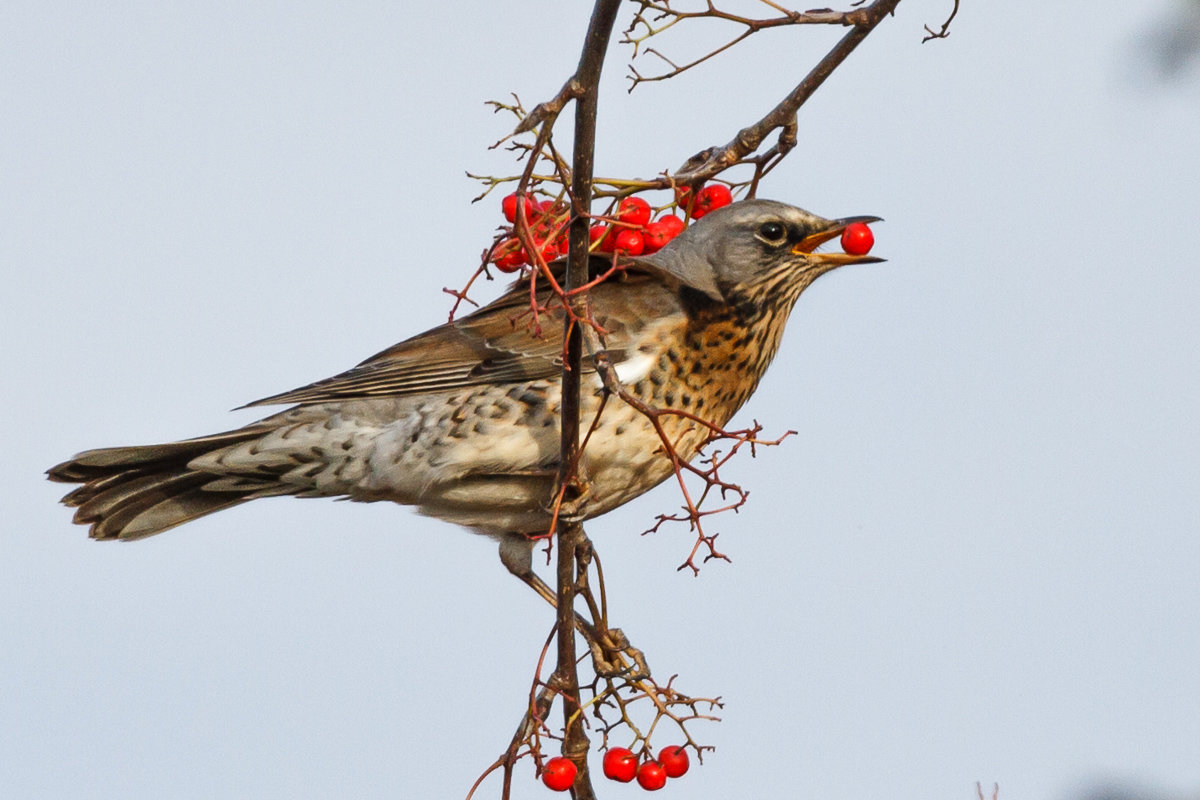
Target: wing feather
495	344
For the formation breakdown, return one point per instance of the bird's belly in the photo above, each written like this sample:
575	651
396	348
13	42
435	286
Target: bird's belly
488	457
504	483
624	457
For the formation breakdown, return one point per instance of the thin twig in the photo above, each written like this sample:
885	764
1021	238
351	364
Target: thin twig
945	31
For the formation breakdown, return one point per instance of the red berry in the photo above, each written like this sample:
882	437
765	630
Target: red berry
684	197
508	256
550	228
559	773
620	764
672	223
545	207
674	760
630	241
651	776
857	239
654	237
710	198
634	210
601	236
509	206
547	249
509	263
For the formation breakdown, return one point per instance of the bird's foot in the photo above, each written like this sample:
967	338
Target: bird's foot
572	508
613	656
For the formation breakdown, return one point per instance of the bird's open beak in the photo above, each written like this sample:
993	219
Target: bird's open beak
811	242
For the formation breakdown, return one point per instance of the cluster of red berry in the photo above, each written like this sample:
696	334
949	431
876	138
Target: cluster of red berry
709	198
547	222
632	233
620	764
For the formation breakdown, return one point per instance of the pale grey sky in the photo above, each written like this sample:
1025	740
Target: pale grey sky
976	560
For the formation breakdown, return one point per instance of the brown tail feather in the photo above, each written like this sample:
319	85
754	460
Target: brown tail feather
134	492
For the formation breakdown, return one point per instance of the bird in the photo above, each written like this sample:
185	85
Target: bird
463	421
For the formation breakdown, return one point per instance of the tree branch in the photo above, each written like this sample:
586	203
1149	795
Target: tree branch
587	79
662	11
714	160
945	30
689	442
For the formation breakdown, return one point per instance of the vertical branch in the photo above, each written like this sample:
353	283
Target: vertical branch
586	83
622	676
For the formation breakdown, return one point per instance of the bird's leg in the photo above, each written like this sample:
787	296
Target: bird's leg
609	646
516	554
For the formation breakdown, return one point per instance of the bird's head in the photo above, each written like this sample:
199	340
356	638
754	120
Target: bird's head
755	250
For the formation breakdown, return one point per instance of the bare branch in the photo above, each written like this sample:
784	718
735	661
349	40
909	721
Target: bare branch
587	79
945	31
623	692
783	115
648	21
549	110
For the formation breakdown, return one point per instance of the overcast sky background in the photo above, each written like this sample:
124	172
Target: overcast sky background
976	561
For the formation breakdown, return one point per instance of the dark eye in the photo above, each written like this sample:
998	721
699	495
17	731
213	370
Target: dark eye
772	232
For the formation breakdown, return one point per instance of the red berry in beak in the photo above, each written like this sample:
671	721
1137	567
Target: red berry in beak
857	239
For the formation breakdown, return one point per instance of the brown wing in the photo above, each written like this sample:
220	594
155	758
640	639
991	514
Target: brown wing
496	344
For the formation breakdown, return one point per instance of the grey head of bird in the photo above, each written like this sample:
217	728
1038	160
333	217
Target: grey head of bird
752	248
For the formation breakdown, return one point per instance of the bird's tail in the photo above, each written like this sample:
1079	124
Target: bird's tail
134	492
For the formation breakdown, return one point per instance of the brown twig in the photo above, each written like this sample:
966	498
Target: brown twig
664	11
945	30
681	466
621	677
783	116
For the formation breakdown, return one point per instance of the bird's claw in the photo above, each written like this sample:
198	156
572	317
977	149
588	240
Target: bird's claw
614	657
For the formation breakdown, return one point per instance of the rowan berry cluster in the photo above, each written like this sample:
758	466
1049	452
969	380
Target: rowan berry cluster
631	232
620	764
634	234
547	222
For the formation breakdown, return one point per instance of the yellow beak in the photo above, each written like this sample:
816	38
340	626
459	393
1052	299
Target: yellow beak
809	243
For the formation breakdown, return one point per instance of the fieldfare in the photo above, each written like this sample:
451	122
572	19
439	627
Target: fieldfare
462	421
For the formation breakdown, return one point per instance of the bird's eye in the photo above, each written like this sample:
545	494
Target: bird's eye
772	232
